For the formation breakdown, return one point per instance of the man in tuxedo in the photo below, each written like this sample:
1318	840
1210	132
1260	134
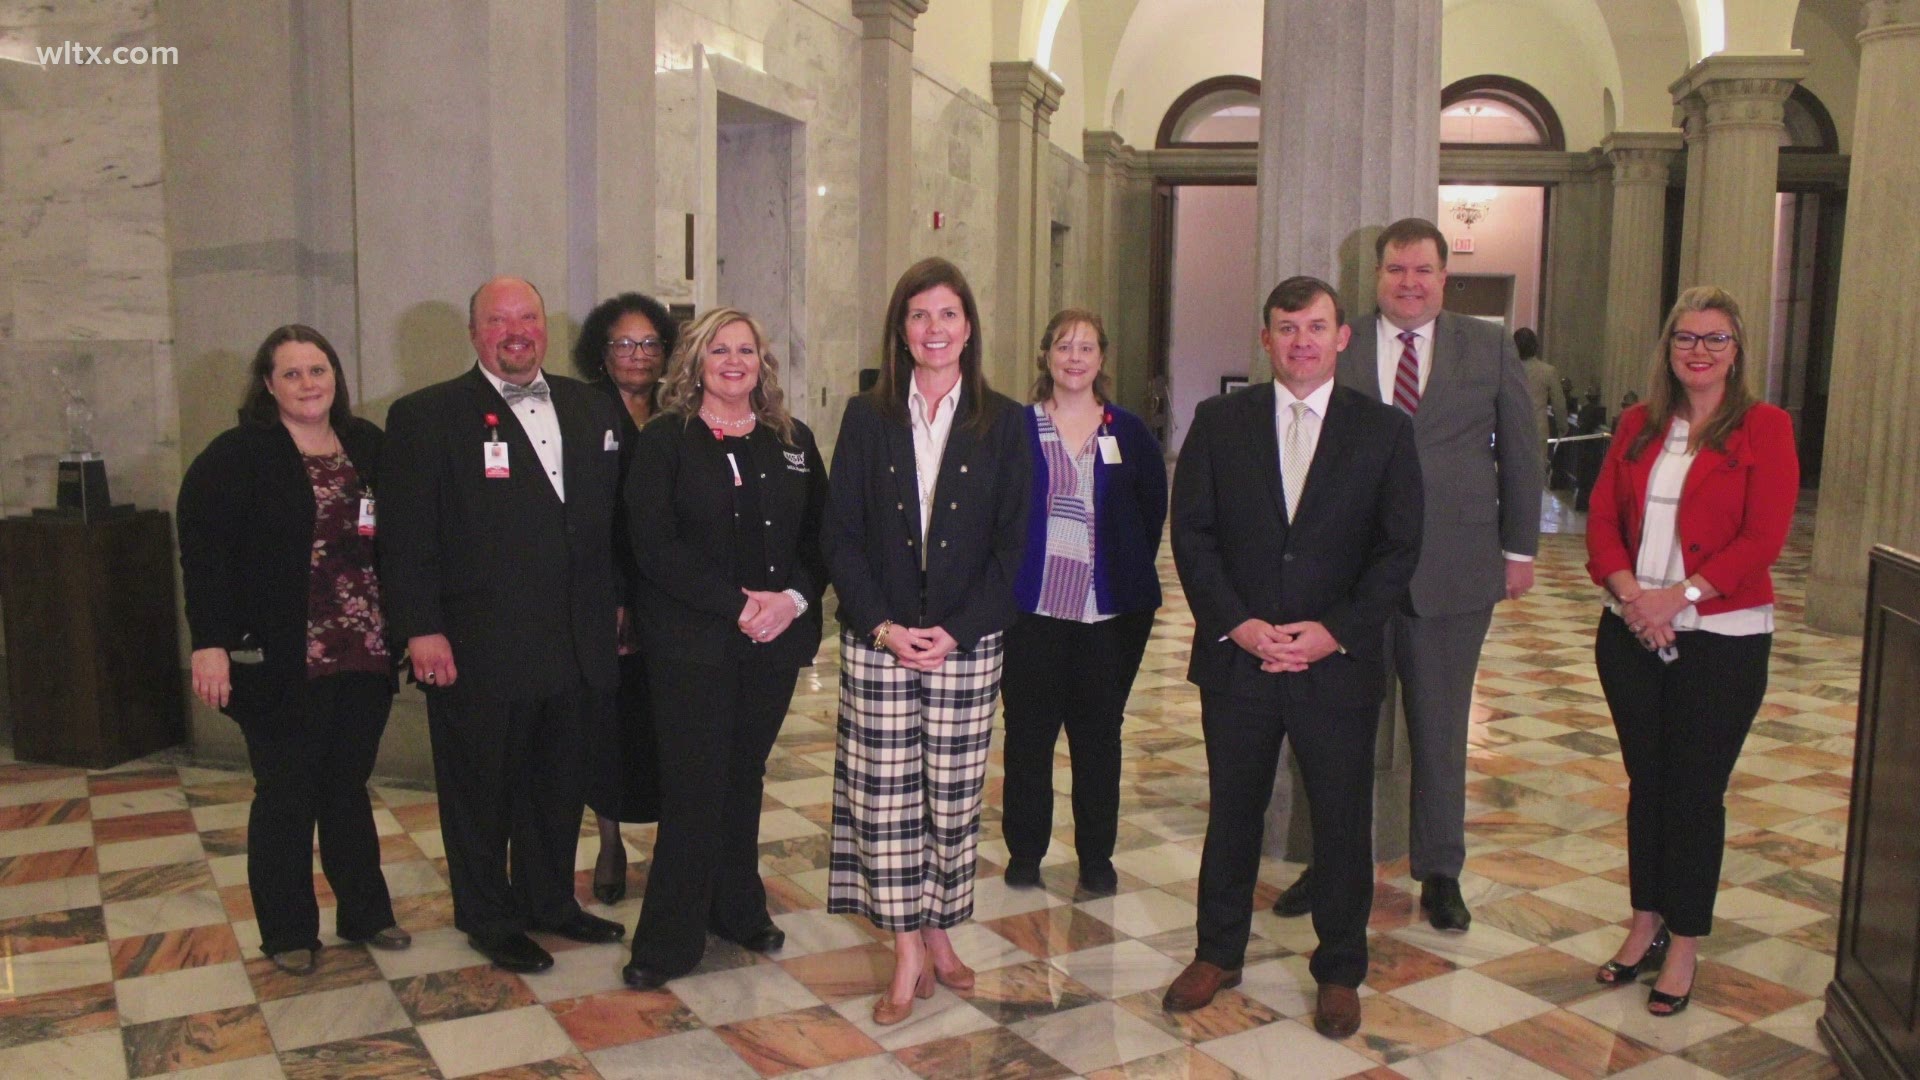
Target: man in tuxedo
497	566
1461	381
1296	525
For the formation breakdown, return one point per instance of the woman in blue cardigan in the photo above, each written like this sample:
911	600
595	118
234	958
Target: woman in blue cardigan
1087	591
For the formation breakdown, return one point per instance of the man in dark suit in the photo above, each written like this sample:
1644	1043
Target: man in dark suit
1296	525
1460	380
497	565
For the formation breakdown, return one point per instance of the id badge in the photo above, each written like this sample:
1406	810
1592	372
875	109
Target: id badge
366	515
496	455
1109	450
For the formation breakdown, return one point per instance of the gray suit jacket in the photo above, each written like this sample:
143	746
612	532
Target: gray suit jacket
1479	460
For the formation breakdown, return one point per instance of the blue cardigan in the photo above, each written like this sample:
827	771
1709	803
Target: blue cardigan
1129	509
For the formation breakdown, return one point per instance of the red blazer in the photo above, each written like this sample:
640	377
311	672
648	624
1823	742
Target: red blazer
1735	507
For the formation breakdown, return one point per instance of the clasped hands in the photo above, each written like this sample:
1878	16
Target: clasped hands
1649	614
766	615
919	649
1285	647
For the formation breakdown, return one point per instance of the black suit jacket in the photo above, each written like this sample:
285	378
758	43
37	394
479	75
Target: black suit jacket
681	511
1344	561
522	585
246	537
975	537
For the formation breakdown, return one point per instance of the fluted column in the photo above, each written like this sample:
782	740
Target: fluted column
1690	116
1870	475
1641	162
1109	179
1732	221
886	158
1025	97
1345	149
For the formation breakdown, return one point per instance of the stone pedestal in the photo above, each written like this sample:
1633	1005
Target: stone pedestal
1736	103
1345	149
1025	97
1641	162
886	158
1870	479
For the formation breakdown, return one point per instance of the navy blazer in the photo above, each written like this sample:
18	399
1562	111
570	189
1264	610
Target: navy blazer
523	585
1129	511
246	515
681	510
1344	560
975	538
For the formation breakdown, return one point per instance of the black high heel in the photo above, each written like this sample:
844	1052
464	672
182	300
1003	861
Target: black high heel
1673	1003
1613	972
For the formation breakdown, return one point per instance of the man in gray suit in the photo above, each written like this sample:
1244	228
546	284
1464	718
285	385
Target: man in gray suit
1461	381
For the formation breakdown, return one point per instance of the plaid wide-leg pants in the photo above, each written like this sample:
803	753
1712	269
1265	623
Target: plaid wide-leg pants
910	765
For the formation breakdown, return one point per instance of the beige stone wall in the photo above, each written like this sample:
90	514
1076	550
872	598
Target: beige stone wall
956	157
83	259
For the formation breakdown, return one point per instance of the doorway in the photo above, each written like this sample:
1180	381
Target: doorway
760	231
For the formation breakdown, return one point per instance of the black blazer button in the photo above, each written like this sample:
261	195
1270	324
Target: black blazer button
1693	547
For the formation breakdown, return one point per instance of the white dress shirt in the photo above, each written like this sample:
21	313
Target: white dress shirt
929	446
542	426
1387	346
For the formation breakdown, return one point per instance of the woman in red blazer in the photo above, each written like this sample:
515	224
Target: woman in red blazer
1690	512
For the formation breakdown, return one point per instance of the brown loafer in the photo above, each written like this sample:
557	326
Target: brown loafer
1338	1013
1195	987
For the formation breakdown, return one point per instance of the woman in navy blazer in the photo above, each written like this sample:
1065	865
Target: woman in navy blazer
1087	591
1691	509
725	497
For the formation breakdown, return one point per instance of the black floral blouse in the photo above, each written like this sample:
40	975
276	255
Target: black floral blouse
345	630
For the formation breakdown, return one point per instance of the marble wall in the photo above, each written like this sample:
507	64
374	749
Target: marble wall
956	155
83	257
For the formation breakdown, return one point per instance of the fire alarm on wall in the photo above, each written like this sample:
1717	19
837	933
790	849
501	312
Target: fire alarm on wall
939	219
1463	245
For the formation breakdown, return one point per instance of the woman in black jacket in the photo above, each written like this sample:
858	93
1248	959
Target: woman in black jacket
622	351
725	497
277	528
926	534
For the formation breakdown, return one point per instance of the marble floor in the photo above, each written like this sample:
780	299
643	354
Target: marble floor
130	947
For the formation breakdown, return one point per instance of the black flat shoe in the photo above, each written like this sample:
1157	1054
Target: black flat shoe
768	938
1023	873
1099	879
1614	972
642	978
588	929
610	892
1446	909
514	952
1298	899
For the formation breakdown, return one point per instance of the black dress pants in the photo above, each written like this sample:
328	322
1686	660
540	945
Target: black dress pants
511	794
1075	675
1335	751
715	725
311	757
1681	726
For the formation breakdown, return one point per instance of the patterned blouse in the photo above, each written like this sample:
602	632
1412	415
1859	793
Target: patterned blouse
345	630
1066	578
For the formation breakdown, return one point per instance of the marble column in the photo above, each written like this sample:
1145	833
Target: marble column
1574	280
1641	163
1024	97
611	137
886	158
1870	477
1109	164
1731	221
1344	149
1690	116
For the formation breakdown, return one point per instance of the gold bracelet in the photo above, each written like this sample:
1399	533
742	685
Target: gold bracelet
880	634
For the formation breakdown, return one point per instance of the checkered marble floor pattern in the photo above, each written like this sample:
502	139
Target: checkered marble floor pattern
131	948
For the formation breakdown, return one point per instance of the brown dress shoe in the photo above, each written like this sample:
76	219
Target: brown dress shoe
1338	1013
1195	987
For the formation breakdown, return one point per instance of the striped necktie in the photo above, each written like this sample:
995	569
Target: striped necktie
1406	378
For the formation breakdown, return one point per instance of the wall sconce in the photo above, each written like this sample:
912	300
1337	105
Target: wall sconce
1469	205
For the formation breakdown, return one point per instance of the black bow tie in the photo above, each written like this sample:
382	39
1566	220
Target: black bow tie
537	390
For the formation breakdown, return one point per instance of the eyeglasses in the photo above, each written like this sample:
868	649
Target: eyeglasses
1714	342
623	348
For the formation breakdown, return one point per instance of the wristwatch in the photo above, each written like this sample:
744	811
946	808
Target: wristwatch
1692	592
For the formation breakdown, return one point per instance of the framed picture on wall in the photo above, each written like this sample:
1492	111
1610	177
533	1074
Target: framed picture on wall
1230	383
